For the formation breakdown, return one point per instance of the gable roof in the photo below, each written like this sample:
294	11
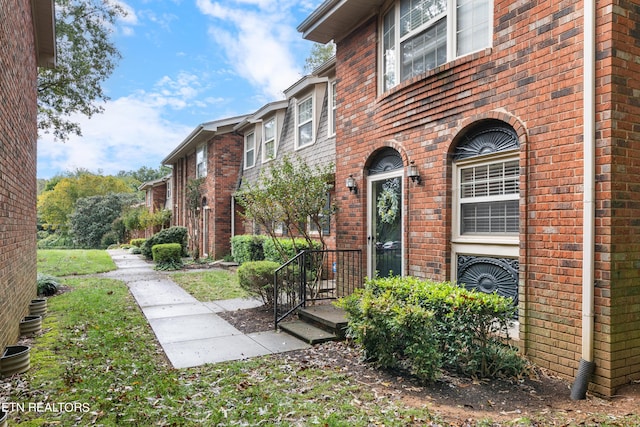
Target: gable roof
202	133
261	113
334	19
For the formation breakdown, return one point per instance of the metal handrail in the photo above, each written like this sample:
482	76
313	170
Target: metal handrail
314	275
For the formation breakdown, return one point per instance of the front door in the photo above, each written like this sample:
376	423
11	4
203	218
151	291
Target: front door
385	218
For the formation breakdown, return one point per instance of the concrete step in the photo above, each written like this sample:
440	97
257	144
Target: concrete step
307	332
325	316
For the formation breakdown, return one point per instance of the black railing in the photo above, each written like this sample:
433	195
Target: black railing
314	276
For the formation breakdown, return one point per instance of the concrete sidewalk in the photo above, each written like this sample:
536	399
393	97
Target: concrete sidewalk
190	331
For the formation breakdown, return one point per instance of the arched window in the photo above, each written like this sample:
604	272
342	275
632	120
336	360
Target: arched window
486	212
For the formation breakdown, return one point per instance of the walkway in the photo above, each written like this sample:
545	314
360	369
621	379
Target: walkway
189	331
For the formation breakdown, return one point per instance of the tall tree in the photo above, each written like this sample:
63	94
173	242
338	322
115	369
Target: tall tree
320	53
93	217
56	205
86	57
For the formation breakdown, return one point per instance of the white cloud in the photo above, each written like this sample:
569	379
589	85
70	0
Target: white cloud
257	41
130	133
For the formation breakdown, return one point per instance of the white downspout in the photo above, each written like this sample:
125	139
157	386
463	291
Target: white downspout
587	364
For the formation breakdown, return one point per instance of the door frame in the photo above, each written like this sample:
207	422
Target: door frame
371	243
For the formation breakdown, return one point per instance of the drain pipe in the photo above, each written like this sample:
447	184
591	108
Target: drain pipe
587	365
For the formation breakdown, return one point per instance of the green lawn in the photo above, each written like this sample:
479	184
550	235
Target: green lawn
99	353
211	285
59	262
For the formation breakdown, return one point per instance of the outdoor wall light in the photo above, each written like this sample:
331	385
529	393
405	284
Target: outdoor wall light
412	172
351	185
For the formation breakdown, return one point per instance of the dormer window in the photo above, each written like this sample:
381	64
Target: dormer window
304	122
249	150
269	140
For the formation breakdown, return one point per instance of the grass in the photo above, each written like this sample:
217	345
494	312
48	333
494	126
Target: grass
210	285
99	353
59	263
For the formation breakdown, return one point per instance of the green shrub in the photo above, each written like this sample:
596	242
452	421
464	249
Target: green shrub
420	325
394	335
135	250
256	277
247	247
47	285
137	242
168	235
272	252
108	239
167	256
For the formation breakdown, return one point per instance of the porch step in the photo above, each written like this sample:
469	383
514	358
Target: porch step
325	316
307	332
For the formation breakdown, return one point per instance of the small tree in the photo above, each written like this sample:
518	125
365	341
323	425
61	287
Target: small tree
293	194
194	199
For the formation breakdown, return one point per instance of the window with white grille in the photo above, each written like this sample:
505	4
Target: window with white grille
269	140
249	150
489	198
418	35
304	122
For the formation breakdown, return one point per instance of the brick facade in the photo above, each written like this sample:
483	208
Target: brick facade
18	136
224	156
530	79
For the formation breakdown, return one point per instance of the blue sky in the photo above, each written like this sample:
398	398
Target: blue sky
184	62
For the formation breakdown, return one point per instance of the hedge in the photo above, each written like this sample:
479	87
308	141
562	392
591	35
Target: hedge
247	247
168	235
423	326
167	256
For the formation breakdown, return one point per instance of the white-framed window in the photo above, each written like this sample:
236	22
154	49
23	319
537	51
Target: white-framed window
201	161
332	108
419	35
304	122
249	150
324	219
269	140
488	197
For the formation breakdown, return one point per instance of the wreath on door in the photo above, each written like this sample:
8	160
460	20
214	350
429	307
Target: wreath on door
388	203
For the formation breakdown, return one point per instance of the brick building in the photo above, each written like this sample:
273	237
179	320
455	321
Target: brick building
157	197
501	141
27	34
212	152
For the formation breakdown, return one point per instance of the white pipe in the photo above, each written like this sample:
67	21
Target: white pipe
588	230
587	365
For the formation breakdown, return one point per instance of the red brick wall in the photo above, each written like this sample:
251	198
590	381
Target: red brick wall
225	161
618	210
18	134
224	154
531	79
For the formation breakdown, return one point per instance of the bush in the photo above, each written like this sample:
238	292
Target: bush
256	277
47	285
137	242
245	248
135	250
271	252
168	235
167	256
420	326
109	238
